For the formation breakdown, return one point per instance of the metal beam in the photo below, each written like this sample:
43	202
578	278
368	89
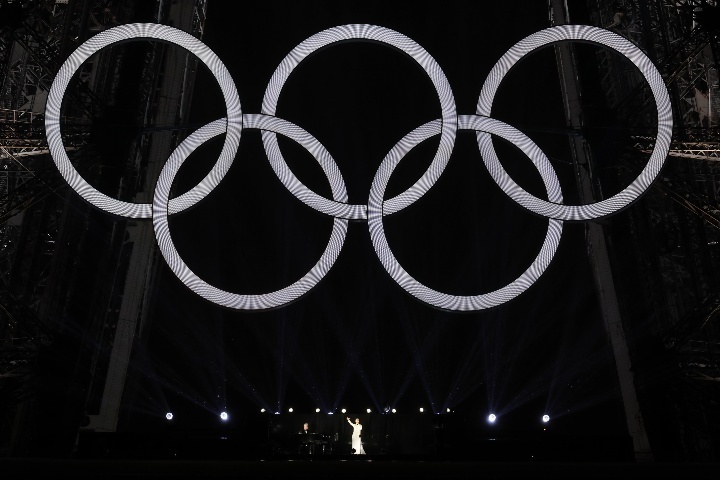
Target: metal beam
597	246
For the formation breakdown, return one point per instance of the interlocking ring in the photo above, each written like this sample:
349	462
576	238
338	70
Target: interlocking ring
662	102
130	32
338	207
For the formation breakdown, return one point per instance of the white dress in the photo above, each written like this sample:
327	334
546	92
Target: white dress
356	442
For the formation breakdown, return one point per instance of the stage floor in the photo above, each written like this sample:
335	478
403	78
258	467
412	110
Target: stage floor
354	467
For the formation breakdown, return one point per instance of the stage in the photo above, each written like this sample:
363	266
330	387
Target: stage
366	467
243	453
247	446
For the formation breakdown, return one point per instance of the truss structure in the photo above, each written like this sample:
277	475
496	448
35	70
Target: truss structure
675	231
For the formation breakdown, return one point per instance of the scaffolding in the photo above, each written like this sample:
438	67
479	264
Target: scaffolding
673	233
48	288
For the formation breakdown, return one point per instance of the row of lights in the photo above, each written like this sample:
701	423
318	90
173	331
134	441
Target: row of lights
344	410
224	416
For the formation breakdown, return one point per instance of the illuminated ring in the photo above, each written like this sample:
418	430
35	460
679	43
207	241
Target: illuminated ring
444	300
132	32
662	143
187	276
385	36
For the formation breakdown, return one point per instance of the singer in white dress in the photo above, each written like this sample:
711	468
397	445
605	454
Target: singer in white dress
356	442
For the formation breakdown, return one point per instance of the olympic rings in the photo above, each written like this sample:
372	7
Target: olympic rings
338	207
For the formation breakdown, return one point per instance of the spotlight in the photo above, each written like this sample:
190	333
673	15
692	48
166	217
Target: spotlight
422	409
545	418
290	409
330	413
368	410
448	410
169	416
224	416
491	418
317	410
394	411
343	410
262	410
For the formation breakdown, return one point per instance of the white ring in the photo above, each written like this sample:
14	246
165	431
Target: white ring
461	302
132	32
662	143
194	282
385	36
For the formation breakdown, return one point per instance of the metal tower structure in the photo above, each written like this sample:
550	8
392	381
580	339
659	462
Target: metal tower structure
32	37
56	304
666	249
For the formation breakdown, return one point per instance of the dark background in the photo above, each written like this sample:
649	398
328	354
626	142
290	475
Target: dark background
358	340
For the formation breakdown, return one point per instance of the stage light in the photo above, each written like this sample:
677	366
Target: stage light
290	410
368	410
394	411
169	416
491	418
545	418
330	413
224	416
448	410
343	410
422	409
317	410
262	410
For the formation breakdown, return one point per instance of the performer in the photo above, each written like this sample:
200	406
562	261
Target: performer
305	443
357	432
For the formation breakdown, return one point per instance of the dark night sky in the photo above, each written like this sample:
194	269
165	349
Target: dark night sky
358	340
